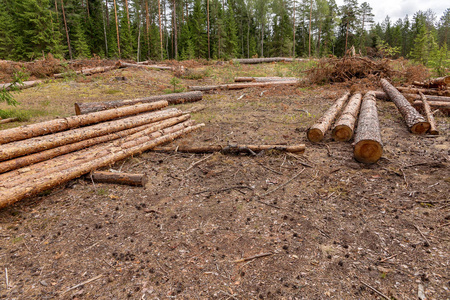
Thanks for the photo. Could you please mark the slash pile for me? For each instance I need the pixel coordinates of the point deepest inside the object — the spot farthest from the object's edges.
(39, 156)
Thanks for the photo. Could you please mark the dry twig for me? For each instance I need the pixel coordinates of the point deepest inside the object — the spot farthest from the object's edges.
(253, 257)
(83, 283)
(375, 290)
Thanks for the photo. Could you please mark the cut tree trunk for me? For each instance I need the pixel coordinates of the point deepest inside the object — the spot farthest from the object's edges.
(429, 115)
(412, 97)
(434, 82)
(41, 143)
(157, 67)
(24, 85)
(265, 60)
(368, 146)
(344, 126)
(263, 79)
(232, 148)
(9, 120)
(45, 181)
(317, 132)
(177, 98)
(381, 95)
(444, 107)
(88, 72)
(23, 161)
(237, 86)
(118, 178)
(406, 90)
(415, 121)
(52, 126)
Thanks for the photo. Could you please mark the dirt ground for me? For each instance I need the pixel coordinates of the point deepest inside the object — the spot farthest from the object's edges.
(271, 226)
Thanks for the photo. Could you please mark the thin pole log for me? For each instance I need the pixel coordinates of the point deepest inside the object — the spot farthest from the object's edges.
(66, 161)
(176, 98)
(317, 132)
(263, 79)
(344, 126)
(429, 115)
(407, 90)
(24, 85)
(52, 126)
(119, 178)
(41, 143)
(90, 71)
(434, 82)
(444, 107)
(11, 195)
(24, 161)
(232, 148)
(412, 97)
(157, 67)
(8, 120)
(415, 121)
(237, 86)
(265, 60)
(368, 146)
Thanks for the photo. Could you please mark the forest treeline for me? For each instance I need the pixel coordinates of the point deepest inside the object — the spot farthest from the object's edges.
(218, 29)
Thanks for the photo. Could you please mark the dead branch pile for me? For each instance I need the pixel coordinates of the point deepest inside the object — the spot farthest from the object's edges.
(348, 68)
(40, 156)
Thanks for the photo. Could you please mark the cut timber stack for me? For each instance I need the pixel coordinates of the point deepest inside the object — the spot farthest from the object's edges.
(176, 98)
(69, 153)
(317, 132)
(415, 121)
(368, 146)
(344, 126)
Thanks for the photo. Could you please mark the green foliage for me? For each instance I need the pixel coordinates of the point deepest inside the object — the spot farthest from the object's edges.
(5, 94)
(440, 60)
(175, 82)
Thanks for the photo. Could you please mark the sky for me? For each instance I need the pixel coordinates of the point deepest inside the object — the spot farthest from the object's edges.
(396, 9)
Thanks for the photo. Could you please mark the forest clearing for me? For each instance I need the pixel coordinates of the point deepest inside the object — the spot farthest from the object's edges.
(229, 221)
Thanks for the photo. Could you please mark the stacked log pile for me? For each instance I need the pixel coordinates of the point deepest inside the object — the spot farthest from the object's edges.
(37, 157)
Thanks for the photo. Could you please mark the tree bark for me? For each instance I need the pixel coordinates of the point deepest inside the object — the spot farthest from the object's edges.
(52, 126)
(263, 79)
(434, 82)
(119, 178)
(24, 85)
(38, 157)
(89, 71)
(407, 90)
(415, 121)
(429, 115)
(177, 98)
(412, 97)
(344, 126)
(444, 107)
(368, 146)
(10, 195)
(233, 148)
(41, 143)
(317, 132)
(237, 86)
(129, 65)
(261, 60)
(8, 120)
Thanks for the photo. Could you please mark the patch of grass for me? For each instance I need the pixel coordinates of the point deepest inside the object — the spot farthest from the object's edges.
(17, 239)
(197, 74)
(102, 192)
(21, 115)
(112, 91)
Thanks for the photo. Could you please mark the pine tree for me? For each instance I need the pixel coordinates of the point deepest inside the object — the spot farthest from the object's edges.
(79, 42)
(198, 30)
(6, 28)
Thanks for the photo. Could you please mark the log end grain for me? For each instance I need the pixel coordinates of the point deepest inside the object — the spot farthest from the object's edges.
(342, 133)
(368, 151)
(433, 131)
(77, 109)
(314, 135)
(420, 128)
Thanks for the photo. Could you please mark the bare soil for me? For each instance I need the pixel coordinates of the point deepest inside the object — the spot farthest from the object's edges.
(330, 226)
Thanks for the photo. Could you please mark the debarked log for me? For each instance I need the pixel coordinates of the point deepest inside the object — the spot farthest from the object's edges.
(20, 86)
(443, 107)
(118, 178)
(412, 97)
(56, 125)
(368, 146)
(414, 120)
(317, 132)
(407, 90)
(429, 115)
(45, 181)
(176, 98)
(8, 120)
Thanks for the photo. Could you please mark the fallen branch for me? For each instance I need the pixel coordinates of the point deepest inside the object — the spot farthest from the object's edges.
(20, 86)
(232, 148)
(283, 185)
(429, 115)
(83, 283)
(90, 71)
(443, 107)
(123, 64)
(425, 91)
(375, 290)
(119, 178)
(253, 257)
(198, 162)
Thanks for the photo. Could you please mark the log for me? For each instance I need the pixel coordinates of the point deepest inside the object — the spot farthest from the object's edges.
(119, 178)
(9, 196)
(123, 64)
(232, 148)
(381, 95)
(265, 60)
(88, 72)
(263, 79)
(317, 132)
(176, 98)
(407, 90)
(41, 143)
(344, 126)
(72, 159)
(20, 162)
(237, 86)
(52, 126)
(414, 120)
(24, 85)
(8, 120)
(444, 107)
(412, 97)
(434, 82)
(429, 115)
(368, 146)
